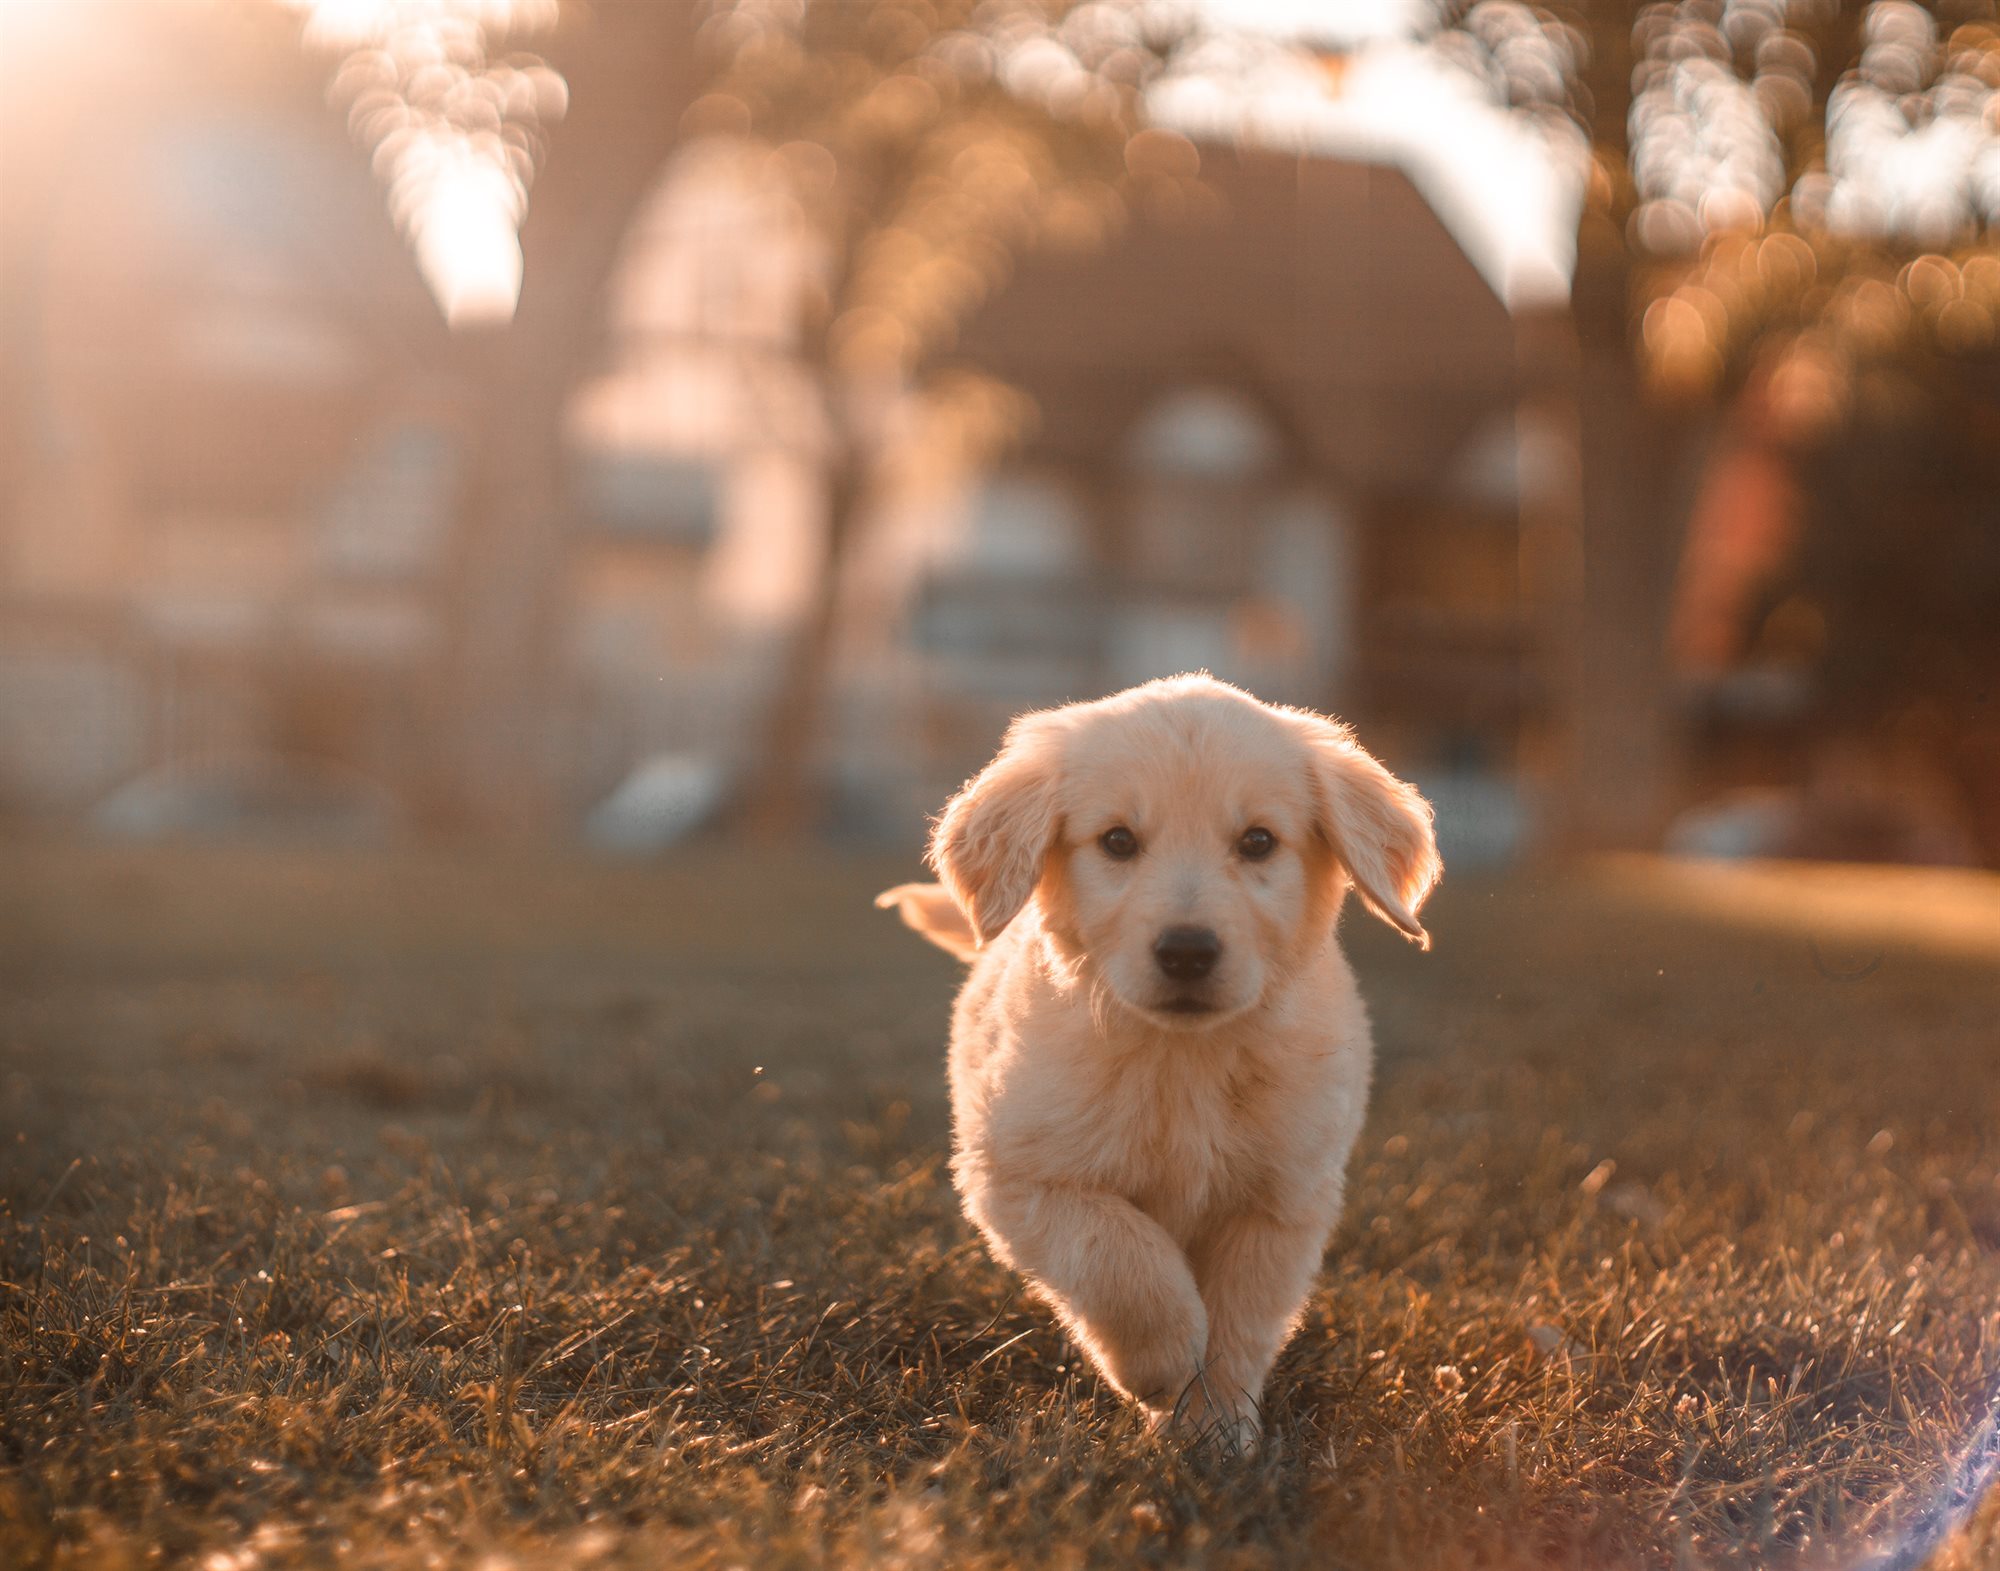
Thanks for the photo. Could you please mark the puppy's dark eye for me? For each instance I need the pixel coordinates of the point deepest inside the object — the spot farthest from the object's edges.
(1256, 844)
(1119, 843)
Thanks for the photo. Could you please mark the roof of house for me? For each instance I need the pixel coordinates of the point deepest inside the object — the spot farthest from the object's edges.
(1327, 291)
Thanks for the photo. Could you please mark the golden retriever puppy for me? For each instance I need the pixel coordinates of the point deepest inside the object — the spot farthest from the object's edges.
(1159, 1060)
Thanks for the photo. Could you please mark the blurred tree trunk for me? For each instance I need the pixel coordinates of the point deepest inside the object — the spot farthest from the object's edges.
(496, 706)
(1617, 744)
(496, 773)
(1606, 553)
(783, 797)
(783, 793)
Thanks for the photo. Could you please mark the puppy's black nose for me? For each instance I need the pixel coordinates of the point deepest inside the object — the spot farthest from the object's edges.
(1187, 954)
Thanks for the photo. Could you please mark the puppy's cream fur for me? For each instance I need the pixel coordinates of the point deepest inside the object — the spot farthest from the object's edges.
(1163, 1161)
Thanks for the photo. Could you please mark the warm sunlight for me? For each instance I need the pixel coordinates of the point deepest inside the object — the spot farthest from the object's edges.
(464, 229)
(967, 783)
(453, 130)
(1506, 184)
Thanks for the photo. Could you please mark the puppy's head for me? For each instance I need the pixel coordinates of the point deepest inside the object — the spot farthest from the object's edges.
(1184, 842)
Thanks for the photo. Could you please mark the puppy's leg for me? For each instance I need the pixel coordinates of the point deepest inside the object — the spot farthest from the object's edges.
(1119, 1282)
(1254, 1274)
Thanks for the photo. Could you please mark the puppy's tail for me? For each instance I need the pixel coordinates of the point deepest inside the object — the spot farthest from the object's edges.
(932, 912)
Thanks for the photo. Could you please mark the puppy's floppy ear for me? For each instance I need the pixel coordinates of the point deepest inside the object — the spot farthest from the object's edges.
(1377, 825)
(993, 837)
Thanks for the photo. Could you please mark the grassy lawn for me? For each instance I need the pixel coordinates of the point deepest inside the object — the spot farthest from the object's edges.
(445, 1212)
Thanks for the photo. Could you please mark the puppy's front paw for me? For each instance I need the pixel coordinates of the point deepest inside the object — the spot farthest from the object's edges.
(1154, 1359)
(1208, 1417)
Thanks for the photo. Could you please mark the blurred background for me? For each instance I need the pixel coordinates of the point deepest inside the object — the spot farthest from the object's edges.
(609, 423)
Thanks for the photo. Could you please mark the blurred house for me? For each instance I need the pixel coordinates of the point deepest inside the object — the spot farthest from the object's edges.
(232, 460)
(1277, 440)
(1278, 437)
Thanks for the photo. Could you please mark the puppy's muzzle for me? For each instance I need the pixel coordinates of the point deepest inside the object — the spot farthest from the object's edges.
(1187, 954)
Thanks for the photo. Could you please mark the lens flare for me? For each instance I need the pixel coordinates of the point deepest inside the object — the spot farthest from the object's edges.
(454, 134)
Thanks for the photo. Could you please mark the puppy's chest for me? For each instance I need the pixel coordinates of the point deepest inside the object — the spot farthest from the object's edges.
(1184, 1139)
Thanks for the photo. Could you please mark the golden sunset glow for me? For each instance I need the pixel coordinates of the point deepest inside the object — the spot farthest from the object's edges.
(546, 545)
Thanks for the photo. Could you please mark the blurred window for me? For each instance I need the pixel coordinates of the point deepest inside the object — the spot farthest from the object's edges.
(390, 513)
(1026, 526)
(1201, 460)
(649, 496)
(1204, 433)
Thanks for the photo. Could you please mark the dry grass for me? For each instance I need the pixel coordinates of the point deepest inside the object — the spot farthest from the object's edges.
(440, 1213)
